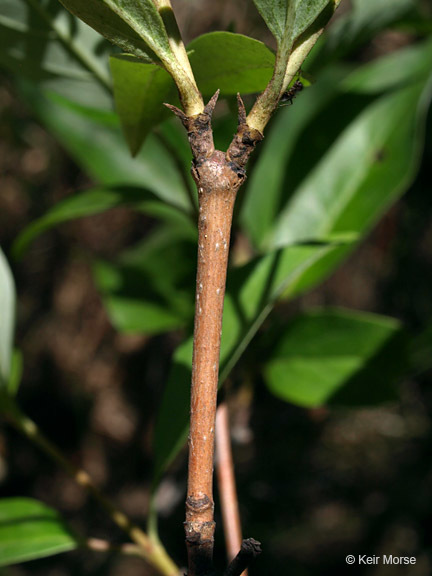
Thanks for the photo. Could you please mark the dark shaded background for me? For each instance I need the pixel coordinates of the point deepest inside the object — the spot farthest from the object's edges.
(313, 485)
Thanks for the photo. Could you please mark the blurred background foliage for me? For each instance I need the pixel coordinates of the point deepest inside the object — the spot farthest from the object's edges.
(330, 286)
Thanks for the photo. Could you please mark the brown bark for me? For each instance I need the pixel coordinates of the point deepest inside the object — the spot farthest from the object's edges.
(216, 204)
(218, 176)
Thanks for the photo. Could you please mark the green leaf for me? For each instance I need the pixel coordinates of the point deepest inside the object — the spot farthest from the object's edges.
(7, 320)
(274, 14)
(251, 293)
(134, 26)
(394, 70)
(41, 41)
(95, 141)
(82, 204)
(221, 61)
(287, 19)
(29, 530)
(337, 356)
(139, 91)
(306, 12)
(371, 164)
(322, 113)
(150, 288)
(268, 181)
(231, 63)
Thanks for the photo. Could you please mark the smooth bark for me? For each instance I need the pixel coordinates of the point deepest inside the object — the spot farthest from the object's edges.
(218, 176)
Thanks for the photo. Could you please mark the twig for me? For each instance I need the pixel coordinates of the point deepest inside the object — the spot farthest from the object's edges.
(179, 68)
(98, 545)
(153, 552)
(226, 483)
(249, 550)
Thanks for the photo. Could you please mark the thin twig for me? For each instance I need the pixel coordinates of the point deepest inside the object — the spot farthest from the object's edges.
(153, 552)
(249, 550)
(99, 545)
(226, 483)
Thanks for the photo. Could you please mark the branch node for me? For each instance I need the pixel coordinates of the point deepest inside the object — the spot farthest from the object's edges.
(199, 129)
(199, 533)
(243, 143)
(196, 505)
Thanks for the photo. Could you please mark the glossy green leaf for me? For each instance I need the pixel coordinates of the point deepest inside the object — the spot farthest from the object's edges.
(139, 91)
(95, 141)
(321, 114)
(29, 529)
(251, 293)
(231, 63)
(266, 185)
(337, 356)
(7, 320)
(43, 42)
(136, 27)
(150, 288)
(372, 163)
(287, 19)
(82, 204)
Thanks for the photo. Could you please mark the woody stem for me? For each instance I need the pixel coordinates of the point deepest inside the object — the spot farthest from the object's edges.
(218, 176)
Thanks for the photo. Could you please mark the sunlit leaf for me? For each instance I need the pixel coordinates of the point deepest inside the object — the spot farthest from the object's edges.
(322, 120)
(370, 165)
(287, 19)
(230, 63)
(136, 27)
(337, 355)
(267, 183)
